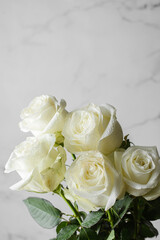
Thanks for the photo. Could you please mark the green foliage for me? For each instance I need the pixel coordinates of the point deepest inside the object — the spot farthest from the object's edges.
(87, 234)
(147, 229)
(61, 225)
(83, 215)
(121, 207)
(73, 237)
(111, 235)
(128, 219)
(133, 224)
(127, 231)
(102, 228)
(152, 210)
(67, 231)
(92, 218)
(43, 212)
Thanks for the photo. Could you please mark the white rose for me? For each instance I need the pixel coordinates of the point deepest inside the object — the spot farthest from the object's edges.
(43, 115)
(92, 128)
(93, 182)
(140, 167)
(39, 164)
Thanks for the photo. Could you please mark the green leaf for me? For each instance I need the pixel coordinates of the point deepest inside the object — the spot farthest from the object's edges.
(147, 229)
(83, 214)
(43, 212)
(73, 237)
(152, 210)
(127, 231)
(88, 234)
(102, 228)
(73, 221)
(67, 231)
(92, 218)
(111, 235)
(121, 207)
(139, 203)
(60, 226)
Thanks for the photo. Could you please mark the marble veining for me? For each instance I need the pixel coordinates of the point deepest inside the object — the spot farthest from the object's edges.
(152, 120)
(83, 51)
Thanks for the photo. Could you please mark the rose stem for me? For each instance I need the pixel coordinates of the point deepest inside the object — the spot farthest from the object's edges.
(110, 218)
(76, 214)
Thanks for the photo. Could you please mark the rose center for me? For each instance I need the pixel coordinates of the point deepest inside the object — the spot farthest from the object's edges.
(143, 163)
(83, 122)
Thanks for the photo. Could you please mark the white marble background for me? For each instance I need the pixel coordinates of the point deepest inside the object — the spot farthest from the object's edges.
(83, 51)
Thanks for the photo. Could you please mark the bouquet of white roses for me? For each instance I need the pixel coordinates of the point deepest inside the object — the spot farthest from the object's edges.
(116, 182)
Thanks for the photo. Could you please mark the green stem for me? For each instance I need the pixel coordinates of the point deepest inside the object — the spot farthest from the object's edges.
(110, 218)
(76, 213)
(136, 218)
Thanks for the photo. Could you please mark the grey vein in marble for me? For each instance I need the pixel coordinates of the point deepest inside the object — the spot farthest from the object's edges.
(46, 27)
(151, 79)
(142, 123)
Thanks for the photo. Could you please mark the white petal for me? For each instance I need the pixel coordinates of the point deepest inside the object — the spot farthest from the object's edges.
(118, 160)
(111, 138)
(154, 193)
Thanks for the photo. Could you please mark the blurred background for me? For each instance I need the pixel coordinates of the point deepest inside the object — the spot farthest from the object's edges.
(101, 51)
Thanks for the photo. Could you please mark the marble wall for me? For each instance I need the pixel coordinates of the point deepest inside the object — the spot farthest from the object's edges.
(83, 51)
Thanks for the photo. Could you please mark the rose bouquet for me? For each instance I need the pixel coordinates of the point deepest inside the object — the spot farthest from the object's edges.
(111, 185)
